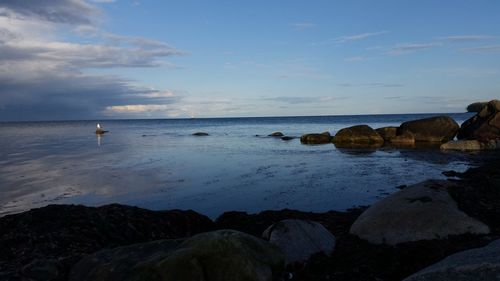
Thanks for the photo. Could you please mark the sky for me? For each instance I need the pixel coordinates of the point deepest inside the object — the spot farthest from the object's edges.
(113, 59)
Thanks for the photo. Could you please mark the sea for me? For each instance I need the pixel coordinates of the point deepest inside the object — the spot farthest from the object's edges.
(158, 164)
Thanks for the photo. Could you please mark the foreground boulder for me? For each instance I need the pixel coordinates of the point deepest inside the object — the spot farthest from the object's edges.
(223, 255)
(316, 138)
(358, 135)
(424, 211)
(300, 239)
(484, 126)
(434, 129)
(42, 244)
(481, 264)
(387, 133)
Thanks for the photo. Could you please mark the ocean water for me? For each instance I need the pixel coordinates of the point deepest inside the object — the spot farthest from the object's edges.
(158, 164)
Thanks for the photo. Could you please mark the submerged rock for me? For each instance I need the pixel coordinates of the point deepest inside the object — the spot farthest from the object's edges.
(434, 129)
(463, 145)
(484, 126)
(316, 138)
(200, 134)
(300, 239)
(276, 134)
(387, 133)
(223, 255)
(287, 138)
(362, 135)
(480, 264)
(424, 211)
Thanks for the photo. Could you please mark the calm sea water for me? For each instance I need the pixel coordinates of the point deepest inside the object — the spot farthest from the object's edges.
(158, 164)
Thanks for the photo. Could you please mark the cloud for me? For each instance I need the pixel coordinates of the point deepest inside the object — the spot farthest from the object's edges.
(306, 99)
(467, 38)
(356, 37)
(483, 49)
(303, 25)
(407, 48)
(59, 11)
(43, 76)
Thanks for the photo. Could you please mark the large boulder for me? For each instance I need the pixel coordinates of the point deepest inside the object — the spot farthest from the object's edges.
(434, 129)
(360, 135)
(300, 239)
(476, 107)
(424, 211)
(484, 126)
(223, 255)
(387, 133)
(481, 264)
(316, 138)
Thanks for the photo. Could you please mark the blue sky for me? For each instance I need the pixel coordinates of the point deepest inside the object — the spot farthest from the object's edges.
(75, 59)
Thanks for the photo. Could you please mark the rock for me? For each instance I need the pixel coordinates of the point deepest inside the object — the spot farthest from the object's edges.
(200, 134)
(434, 129)
(358, 135)
(100, 130)
(219, 255)
(476, 107)
(316, 138)
(423, 211)
(276, 134)
(387, 133)
(287, 138)
(300, 239)
(48, 241)
(404, 139)
(462, 145)
(480, 264)
(484, 126)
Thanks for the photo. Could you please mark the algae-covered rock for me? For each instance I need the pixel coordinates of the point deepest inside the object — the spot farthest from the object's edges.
(223, 255)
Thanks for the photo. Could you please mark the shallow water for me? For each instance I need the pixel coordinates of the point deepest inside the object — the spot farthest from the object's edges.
(158, 164)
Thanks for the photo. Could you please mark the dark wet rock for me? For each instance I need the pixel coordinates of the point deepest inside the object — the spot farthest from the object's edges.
(463, 145)
(424, 211)
(300, 239)
(276, 134)
(49, 240)
(484, 126)
(480, 264)
(405, 139)
(316, 138)
(219, 255)
(434, 129)
(476, 107)
(361, 135)
(100, 132)
(387, 133)
(287, 138)
(200, 134)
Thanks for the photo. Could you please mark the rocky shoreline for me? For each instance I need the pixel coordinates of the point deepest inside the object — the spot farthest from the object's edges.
(45, 243)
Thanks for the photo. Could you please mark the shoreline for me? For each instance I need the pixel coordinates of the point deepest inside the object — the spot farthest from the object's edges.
(57, 236)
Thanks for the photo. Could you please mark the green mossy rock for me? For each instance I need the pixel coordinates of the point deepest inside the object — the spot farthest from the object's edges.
(223, 255)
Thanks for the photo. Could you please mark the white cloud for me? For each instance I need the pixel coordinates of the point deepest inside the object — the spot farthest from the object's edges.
(356, 37)
(483, 49)
(467, 38)
(407, 48)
